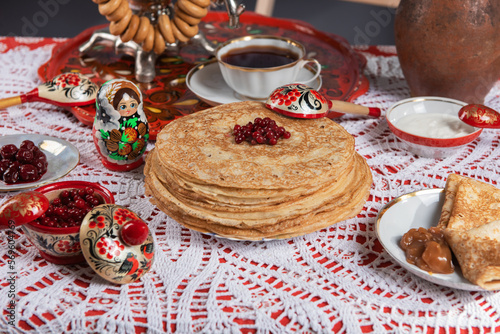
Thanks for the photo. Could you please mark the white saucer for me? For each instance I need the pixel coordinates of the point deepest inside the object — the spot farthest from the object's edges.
(418, 209)
(206, 81)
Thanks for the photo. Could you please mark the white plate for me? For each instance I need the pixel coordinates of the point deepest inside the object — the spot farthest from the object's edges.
(418, 209)
(62, 157)
(206, 81)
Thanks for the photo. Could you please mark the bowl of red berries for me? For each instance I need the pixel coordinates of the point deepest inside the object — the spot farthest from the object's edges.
(56, 232)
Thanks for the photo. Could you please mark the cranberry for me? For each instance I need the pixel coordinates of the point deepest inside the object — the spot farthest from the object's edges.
(80, 203)
(69, 209)
(261, 131)
(8, 151)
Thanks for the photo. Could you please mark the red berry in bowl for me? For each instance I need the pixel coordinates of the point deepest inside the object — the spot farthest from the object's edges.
(69, 209)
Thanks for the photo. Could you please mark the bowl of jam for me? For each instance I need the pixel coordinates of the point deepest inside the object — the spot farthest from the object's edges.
(56, 232)
(429, 126)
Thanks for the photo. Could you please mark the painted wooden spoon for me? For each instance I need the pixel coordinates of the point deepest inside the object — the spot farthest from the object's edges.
(302, 101)
(480, 116)
(22, 208)
(65, 90)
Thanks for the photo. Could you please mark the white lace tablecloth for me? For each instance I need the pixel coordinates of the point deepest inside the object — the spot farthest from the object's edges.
(337, 279)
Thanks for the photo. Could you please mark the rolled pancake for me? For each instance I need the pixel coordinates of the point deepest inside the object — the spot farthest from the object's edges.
(450, 188)
(478, 253)
(476, 203)
(471, 217)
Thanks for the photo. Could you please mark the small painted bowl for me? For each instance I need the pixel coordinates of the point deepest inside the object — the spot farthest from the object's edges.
(61, 245)
(429, 126)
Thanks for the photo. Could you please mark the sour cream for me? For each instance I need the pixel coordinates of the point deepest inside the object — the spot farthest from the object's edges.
(433, 125)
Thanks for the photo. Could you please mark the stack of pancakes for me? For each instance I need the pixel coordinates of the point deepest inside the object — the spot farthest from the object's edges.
(199, 176)
(470, 218)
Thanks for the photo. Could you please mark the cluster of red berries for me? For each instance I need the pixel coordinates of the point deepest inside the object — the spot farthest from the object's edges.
(69, 208)
(71, 79)
(261, 131)
(24, 164)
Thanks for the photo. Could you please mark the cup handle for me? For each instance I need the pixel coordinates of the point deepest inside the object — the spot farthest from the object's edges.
(318, 69)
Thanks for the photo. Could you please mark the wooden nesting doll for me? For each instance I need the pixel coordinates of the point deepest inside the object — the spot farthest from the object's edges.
(120, 129)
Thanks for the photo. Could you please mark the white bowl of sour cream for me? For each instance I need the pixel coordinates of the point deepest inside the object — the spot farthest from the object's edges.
(429, 126)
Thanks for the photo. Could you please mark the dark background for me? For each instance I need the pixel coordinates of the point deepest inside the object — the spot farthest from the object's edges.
(358, 23)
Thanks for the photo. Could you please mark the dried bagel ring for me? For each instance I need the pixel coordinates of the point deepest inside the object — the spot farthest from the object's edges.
(186, 29)
(109, 7)
(131, 30)
(117, 28)
(166, 28)
(185, 17)
(159, 43)
(119, 13)
(150, 39)
(142, 31)
(201, 3)
(178, 34)
(183, 26)
(192, 9)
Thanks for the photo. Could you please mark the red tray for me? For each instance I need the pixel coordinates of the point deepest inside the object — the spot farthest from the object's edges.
(167, 97)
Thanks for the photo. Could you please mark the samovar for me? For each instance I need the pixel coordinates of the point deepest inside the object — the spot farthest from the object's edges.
(153, 10)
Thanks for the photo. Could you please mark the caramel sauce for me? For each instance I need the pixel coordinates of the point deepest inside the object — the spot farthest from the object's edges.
(428, 250)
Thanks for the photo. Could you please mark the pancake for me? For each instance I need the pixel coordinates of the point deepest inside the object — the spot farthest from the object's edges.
(244, 217)
(476, 203)
(200, 177)
(206, 151)
(345, 206)
(451, 187)
(478, 253)
(471, 217)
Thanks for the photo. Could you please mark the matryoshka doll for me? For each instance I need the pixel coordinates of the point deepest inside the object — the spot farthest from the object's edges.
(120, 129)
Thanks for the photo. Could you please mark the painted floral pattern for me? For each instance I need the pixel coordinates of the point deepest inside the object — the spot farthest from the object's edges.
(55, 244)
(72, 86)
(104, 250)
(298, 99)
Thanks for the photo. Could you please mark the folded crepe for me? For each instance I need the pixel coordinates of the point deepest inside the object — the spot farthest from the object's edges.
(471, 221)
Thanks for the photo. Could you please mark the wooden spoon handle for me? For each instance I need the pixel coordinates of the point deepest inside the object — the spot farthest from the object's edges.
(10, 101)
(351, 108)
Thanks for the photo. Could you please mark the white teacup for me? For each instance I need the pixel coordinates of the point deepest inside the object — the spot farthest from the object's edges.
(252, 67)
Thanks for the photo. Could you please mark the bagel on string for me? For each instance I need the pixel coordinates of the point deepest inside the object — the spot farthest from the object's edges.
(182, 27)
